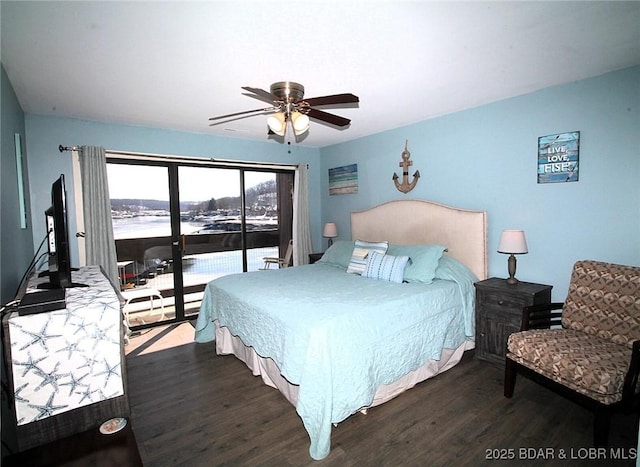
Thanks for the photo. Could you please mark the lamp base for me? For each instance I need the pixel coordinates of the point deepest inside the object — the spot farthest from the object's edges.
(511, 265)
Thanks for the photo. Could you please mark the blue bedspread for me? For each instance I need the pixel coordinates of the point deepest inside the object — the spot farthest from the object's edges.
(339, 336)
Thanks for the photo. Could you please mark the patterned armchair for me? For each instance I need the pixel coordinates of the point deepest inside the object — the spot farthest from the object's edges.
(590, 351)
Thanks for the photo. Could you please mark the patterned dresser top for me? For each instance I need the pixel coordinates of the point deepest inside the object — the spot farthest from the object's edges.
(68, 358)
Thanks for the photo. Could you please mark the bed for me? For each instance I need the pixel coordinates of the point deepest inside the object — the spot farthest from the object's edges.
(335, 342)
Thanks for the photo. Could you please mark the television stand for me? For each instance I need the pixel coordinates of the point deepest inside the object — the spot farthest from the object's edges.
(80, 348)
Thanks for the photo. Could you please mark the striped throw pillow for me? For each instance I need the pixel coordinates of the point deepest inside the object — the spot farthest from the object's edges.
(385, 267)
(361, 250)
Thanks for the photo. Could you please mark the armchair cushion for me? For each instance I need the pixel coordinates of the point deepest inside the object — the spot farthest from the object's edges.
(604, 301)
(585, 363)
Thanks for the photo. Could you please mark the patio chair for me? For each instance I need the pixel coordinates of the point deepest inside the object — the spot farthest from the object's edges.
(281, 262)
(137, 294)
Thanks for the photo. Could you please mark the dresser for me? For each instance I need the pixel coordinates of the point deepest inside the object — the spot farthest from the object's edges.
(499, 313)
(67, 366)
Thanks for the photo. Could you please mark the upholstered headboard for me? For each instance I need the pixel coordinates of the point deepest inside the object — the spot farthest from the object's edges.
(415, 222)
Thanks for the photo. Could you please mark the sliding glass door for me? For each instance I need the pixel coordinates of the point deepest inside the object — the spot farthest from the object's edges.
(140, 211)
(179, 226)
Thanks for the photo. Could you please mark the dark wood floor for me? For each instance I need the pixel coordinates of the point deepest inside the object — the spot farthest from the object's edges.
(191, 407)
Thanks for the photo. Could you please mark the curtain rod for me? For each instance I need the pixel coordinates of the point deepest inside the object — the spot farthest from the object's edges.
(62, 148)
(198, 160)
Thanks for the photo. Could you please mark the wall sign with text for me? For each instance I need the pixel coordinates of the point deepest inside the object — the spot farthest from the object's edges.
(558, 157)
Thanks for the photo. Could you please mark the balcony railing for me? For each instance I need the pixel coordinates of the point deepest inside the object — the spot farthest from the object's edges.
(148, 262)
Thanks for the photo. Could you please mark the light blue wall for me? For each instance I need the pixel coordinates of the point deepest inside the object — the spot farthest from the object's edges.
(46, 163)
(486, 158)
(16, 248)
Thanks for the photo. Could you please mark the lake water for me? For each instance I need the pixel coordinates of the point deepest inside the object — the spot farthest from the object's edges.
(150, 226)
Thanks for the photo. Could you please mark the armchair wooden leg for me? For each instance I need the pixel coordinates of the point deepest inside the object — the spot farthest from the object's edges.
(601, 425)
(509, 377)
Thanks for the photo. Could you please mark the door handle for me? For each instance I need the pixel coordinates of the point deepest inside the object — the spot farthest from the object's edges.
(181, 242)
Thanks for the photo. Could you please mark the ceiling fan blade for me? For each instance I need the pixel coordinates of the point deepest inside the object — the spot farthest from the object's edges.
(261, 94)
(346, 98)
(327, 117)
(246, 112)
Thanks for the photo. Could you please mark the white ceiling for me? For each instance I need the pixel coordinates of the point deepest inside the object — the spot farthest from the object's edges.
(175, 64)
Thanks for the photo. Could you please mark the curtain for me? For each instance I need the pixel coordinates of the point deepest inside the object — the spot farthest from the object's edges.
(301, 226)
(99, 240)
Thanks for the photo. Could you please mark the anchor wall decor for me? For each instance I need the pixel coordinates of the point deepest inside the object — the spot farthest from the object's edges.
(406, 186)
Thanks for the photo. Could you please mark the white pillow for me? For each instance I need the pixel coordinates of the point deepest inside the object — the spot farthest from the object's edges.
(385, 267)
(361, 250)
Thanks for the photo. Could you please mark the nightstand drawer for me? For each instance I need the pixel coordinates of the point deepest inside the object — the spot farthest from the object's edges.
(504, 302)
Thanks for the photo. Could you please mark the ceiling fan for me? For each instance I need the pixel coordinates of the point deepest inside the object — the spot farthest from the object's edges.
(290, 107)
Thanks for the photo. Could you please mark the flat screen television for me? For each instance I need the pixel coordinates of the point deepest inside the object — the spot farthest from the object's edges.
(57, 224)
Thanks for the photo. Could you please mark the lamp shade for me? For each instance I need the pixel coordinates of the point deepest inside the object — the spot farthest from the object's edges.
(330, 230)
(300, 123)
(277, 123)
(513, 242)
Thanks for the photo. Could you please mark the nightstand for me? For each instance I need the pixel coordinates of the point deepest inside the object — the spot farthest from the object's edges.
(313, 257)
(499, 313)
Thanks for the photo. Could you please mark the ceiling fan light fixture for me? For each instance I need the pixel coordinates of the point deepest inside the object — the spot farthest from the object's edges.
(277, 123)
(288, 106)
(300, 123)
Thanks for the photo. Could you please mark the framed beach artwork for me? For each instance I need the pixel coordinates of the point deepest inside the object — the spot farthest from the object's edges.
(558, 157)
(343, 180)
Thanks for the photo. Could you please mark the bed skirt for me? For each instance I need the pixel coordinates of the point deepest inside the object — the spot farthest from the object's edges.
(227, 344)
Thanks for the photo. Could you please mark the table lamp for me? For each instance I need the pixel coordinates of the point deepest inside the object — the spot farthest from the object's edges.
(330, 231)
(512, 242)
